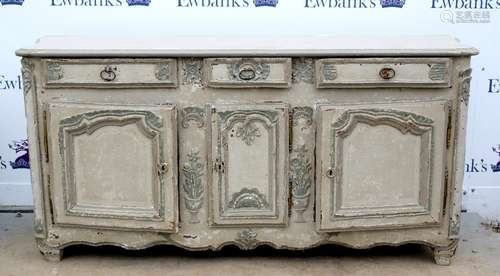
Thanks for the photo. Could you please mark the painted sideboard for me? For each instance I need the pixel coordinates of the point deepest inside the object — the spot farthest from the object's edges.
(202, 142)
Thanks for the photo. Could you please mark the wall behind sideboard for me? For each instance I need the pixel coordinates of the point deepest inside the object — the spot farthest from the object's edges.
(24, 21)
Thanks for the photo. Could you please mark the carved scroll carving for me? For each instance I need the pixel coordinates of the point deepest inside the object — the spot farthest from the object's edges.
(303, 112)
(27, 74)
(193, 114)
(54, 71)
(464, 87)
(438, 71)
(162, 72)
(248, 198)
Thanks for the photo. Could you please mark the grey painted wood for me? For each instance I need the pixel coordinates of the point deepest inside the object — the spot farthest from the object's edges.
(361, 159)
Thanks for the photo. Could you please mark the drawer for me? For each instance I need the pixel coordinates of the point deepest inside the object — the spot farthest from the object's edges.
(383, 72)
(107, 73)
(248, 72)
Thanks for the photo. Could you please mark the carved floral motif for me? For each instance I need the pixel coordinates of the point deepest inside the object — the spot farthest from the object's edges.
(301, 179)
(192, 71)
(193, 185)
(303, 70)
(248, 132)
(247, 239)
(303, 112)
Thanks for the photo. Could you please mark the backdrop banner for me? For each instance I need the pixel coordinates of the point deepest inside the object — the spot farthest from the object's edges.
(474, 22)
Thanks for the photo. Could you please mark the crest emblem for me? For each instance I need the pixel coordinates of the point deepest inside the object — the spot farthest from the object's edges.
(23, 160)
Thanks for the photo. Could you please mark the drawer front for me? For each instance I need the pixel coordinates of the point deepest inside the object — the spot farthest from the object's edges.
(248, 72)
(111, 72)
(383, 72)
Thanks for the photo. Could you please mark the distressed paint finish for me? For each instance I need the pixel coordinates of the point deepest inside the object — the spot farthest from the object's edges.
(303, 110)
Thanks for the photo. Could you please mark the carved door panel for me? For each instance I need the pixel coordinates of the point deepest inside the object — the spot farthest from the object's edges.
(113, 166)
(380, 165)
(249, 150)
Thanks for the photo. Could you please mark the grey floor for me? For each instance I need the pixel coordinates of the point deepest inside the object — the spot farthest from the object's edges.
(478, 254)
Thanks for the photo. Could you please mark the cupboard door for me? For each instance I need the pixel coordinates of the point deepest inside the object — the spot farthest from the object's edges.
(249, 150)
(114, 166)
(380, 165)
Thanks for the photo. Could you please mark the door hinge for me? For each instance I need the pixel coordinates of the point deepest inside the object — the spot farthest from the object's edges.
(448, 128)
(446, 190)
(45, 136)
(219, 166)
(290, 131)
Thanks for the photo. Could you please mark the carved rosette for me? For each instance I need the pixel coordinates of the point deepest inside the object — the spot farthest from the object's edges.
(438, 71)
(464, 87)
(192, 71)
(193, 186)
(301, 179)
(54, 71)
(162, 72)
(303, 70)
(195, 115)
(27, 74)
(247, 239)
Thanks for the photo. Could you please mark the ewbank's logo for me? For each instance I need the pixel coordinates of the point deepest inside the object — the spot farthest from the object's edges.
(226, 3)
(12, 2)
(265, 3)
(21, 148)
(97, 3)
(496, 168)
(138, 2)
(358, 4)
(392, 3)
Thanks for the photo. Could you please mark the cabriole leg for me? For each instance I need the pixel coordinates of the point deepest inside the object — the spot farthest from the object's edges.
(443, 255)
(50, 253)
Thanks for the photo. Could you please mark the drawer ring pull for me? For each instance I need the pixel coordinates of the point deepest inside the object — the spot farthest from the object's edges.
(330, 173)
(247, 72)
(387, 73)
(108, 73)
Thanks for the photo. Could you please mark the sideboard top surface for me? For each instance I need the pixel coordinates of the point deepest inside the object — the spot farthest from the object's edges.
(79, 46)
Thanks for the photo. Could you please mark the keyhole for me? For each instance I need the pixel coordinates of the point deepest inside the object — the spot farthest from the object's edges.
(330, 173)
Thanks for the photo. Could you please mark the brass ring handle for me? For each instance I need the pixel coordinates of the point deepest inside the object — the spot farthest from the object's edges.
(387, 73)
(108, 73)
(330, 173)
(247, 72)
